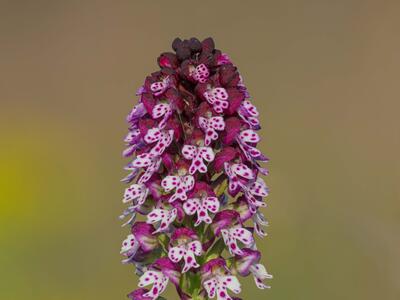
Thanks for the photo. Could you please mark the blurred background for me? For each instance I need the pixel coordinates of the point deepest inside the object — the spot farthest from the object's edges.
(325, 76)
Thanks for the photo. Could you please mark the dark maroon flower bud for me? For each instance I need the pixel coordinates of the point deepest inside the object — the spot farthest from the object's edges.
(208, 45)
(168, 60)
(176, 43)
(195, 45)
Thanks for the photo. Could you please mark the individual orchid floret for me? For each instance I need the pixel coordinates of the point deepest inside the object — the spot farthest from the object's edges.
(218, 98)
(217, 280)
(187, 246)
(181, 184)
(158, 275)
(200, 73)
(245, 139)
(140, 242)
(236, 173)
(234, 234)
(129, 246)
(136, 193)
(159, 87)
(162, 110)
(162, 137)
(248, 263)
(210, 126)
(198, 155)
(248, 112)
(201, 207)
(163, 217)
(259, 221)
(134, 142)
(227, 222)
(136, 113)
(146, 160)
(254, 191)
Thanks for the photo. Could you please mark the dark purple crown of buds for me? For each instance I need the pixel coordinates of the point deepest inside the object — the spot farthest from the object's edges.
(194, 178)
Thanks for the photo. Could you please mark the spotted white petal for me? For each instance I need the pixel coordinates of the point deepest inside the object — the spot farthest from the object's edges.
(217, 123)
(165, 217)
(160, 109)
(130, 245)
(164, 141)
(206, 153)
(159, 281)
(191, 206)
(190, 261)
(151, 169)
(188, 181)
(133, 192)
(195, 247)
(243, 235)
(232, 283)
(212, 204)
(211, 287)
(258, 188)
(260, 273)
(170, 182)
(152, 135)
(175, 254)
(250, 108)
(249, 136)
(242, 170)
(201, 73)
(189, 152)
(142, 160)
(203, 122)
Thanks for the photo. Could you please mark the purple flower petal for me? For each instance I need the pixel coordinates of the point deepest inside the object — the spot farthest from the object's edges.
(224, 219)
(139, 295)
(243, 262)
(233, 126)
(227, 154)
(143, 232)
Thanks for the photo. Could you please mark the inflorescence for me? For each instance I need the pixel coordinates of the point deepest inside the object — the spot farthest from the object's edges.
(196, 169)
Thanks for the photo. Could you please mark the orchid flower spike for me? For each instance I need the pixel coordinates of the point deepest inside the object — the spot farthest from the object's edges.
(195, 189)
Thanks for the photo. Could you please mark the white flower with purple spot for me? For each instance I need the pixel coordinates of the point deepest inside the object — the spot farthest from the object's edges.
(217, 97)
(129, 246)
(253, 191)
(162, 110)
(200, 73)
(245, 137)
(136, 193)
(162, 137)
(236, 173)
(248, 112)
(198, 155)
(163, 217)
(260, 273)
(185, 245)
(157, 279)
(210, 127)
(146, 160)
(181, 184)
(234, 234)
(159, 87)
(219, 286)
(201, 207)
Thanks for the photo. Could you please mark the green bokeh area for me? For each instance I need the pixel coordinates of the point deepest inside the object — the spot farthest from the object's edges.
(324, 75)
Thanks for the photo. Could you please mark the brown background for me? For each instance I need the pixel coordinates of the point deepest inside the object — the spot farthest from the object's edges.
(325, 76)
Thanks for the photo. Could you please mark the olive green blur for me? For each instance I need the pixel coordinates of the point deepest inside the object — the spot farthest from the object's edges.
(325, 78)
